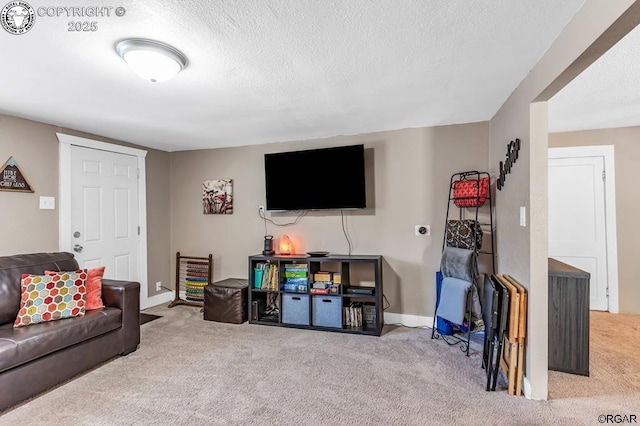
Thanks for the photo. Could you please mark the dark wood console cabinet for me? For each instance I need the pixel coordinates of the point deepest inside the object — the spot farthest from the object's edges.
(568, 318)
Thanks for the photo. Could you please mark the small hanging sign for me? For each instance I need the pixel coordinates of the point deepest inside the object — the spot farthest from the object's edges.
(513, 148)
(12, 179)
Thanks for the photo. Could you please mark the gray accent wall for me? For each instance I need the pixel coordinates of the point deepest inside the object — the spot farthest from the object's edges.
(408, 173)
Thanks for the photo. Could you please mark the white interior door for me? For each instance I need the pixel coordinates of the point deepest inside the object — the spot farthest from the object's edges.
(577, 226)
(104, 212)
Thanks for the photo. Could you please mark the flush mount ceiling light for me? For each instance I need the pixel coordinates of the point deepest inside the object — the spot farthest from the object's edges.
(151, 60)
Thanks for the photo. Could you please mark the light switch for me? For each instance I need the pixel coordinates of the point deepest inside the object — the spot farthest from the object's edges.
(47, 203)
(523, 216)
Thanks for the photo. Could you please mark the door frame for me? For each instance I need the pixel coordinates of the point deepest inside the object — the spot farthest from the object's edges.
(64, 219)
(607, 152)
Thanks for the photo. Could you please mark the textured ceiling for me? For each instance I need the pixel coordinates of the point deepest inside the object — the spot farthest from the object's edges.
(276, 70)
(607, 94)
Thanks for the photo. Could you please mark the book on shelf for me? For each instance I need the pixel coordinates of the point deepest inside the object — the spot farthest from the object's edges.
(298, 288)
(321, 284)
(295, 280)
(295, 267)
(322, 276)
(353, 315)
(295, 274)
(269, 276)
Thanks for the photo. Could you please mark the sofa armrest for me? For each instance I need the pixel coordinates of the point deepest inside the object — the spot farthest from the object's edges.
(125, 295)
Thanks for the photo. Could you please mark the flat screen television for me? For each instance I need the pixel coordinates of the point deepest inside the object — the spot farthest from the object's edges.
(316, 179)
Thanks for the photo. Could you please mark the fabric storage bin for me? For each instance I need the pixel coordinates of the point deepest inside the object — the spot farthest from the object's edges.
(295, 309)
(327, 311)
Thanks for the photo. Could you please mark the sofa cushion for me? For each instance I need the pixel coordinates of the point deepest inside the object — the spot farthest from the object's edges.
(21, 345)
(11, 270)
(52, 297)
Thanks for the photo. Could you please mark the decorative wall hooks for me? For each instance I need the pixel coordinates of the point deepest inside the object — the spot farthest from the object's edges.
(505, 167)
(12, 179)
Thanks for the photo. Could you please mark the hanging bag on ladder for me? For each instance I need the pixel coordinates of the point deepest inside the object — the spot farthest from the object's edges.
(470, 192)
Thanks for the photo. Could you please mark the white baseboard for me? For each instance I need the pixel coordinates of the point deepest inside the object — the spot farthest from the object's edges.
(526, 387)
(159, 299)
(408, 320)
(389, 317)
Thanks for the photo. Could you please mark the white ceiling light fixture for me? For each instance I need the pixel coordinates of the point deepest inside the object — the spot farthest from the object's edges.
(152, 60)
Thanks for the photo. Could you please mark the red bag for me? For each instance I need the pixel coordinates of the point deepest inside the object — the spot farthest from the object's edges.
(467, 194)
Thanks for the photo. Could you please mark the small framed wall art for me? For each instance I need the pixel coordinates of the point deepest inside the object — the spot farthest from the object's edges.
(217, 196)
(12, 179)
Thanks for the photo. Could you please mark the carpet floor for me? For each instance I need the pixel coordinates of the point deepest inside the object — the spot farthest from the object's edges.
(614, 361)
(190, 371)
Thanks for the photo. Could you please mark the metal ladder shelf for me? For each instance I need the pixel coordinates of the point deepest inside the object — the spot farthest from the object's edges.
(471, 212)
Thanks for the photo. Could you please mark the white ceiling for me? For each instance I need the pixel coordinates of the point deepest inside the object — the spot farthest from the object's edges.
(276, 70)
(607, 94)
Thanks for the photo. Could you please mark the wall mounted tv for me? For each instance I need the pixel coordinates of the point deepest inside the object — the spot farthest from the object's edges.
(316, 179)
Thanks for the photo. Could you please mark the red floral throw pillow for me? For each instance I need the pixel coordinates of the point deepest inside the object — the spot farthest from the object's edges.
(51, 297)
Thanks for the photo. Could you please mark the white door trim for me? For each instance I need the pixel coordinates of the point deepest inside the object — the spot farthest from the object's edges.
(64, 221)
(606, 151)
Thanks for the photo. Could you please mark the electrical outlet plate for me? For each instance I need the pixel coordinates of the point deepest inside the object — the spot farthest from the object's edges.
(260, 209)
(422, 230)
(47, 203)
(158, 286)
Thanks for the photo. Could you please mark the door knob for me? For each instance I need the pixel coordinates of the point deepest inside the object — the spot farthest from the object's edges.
(77, 248)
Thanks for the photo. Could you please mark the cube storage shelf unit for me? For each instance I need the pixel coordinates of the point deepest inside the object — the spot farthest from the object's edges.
(316, 311)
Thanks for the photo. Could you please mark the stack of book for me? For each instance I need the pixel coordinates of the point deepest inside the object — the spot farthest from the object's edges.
(295, 277)
(352, 315)
(269, 276)
(321, 283)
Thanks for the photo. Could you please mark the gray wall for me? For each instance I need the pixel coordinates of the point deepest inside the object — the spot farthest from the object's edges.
(26, 228)
(627, 154)
(410, 168)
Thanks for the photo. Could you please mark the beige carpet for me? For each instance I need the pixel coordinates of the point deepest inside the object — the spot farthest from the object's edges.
(189, 371)
(614, 361)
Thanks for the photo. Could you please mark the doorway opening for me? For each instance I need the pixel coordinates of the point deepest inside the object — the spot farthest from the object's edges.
(582, 217)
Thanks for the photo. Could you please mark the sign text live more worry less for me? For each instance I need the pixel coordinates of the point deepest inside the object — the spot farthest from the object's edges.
(12, 179)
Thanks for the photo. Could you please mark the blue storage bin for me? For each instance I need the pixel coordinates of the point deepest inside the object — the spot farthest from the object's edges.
(295, 309)
(444, 327)
(326, 311)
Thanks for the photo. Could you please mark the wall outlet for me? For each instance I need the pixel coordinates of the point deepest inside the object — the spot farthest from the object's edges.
(261, 210)
(423, 230)
(159, 286)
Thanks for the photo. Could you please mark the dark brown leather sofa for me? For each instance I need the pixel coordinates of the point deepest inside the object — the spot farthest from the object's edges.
(39, 356)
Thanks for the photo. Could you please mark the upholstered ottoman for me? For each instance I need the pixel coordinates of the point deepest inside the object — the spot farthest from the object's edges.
(226, 301)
